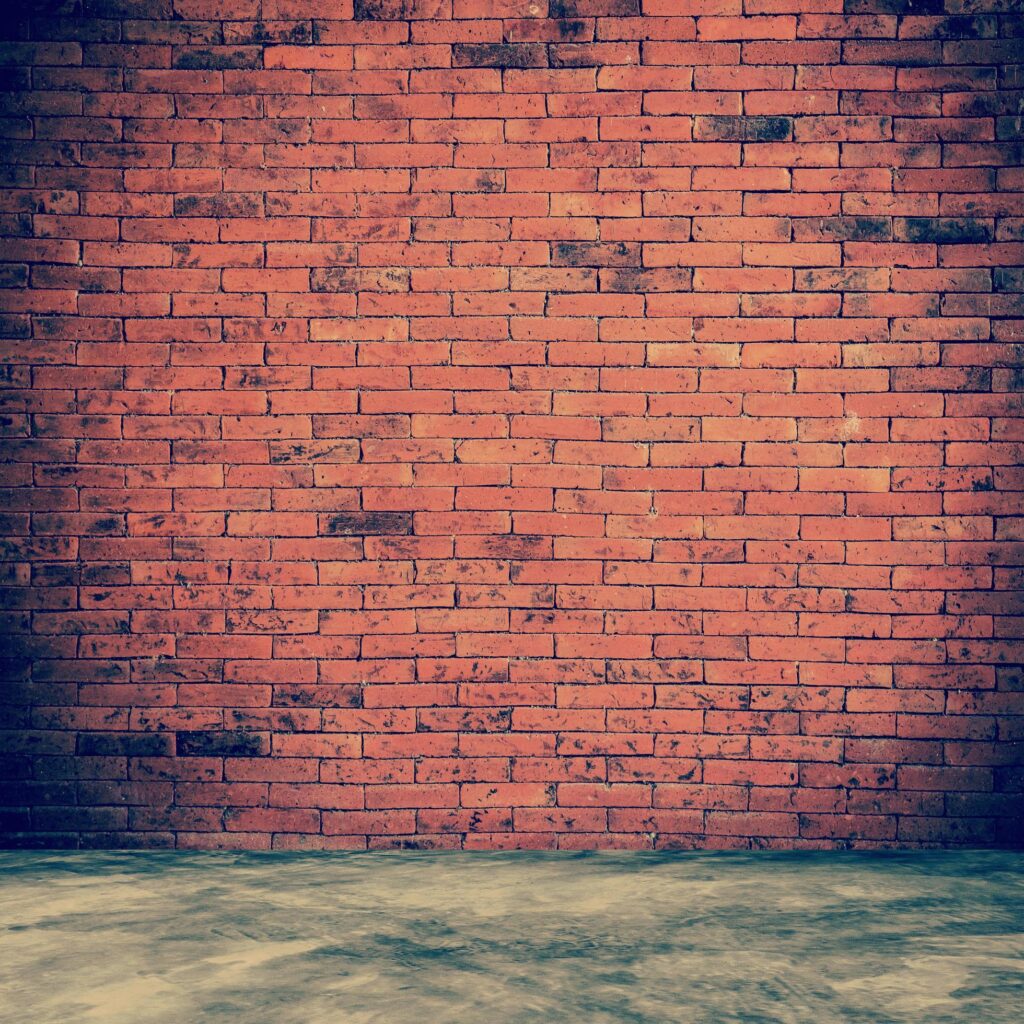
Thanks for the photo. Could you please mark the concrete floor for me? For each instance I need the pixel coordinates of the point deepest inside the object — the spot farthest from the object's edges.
(194, 938)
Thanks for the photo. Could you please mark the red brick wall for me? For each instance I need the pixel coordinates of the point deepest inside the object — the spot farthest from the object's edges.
(512, 422)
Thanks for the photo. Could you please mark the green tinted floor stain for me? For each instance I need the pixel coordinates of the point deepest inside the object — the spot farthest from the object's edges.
(206, 938)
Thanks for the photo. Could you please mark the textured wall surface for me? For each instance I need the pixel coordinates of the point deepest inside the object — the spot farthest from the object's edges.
(493, 422)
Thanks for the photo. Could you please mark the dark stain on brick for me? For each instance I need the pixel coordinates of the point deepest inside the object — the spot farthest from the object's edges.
(14, 326)
(499, 55)
(1009, 279)
(365, 524)
(398, 10)
(256, 377)
(664, 279)
(14, 276)
(223, 204)
(337, 279)
(1016, 376)
(218, 58)
(470, 720)
(288, 452)
(379, 10)
(298, 695)
(593, 8)
(854, 229)
(570, 31)
(965, 27)
(942, 229)
(1010, 129)
(722, 128)
(21, 223)
(489, 181)
(595, 254)
(136, 744)
(931, 7)
(901, 53)
(221, 744)
(284, 32)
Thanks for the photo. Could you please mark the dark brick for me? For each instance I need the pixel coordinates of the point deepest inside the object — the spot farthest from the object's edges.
(743, 129)
(1009, 279)
(401, 10)
(134, 744)
(217, 58)
(500, 55)
(670, 279)
(942, 229)
(851, 229)
(221, 744)
(593, 8)
(929, 7)
(353, 279)
(365, 524)
(595, 254)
